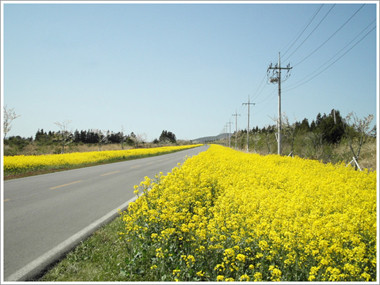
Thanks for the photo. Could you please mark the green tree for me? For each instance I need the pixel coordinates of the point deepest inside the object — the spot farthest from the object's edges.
(304, 126)
(332, 127)
(167, 137)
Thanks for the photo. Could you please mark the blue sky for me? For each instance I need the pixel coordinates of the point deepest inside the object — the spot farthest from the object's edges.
(185, 68)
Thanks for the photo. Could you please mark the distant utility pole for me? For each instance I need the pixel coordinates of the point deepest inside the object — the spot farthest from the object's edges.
(248, 103)
(236, 115)
(229, 134)
(276, 78)
(225, 130)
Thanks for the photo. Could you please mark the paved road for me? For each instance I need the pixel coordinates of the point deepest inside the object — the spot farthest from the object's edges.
(45, 214)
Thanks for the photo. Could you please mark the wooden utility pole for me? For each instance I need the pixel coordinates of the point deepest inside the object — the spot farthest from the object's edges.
(276, 78)
(248, 103)
(236, 115)
(229, 134)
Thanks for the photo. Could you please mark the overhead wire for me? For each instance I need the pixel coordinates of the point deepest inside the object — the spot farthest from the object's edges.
(304, 29)
(270, 96)
(308, 36)
(252, 97)
(262, 86)
(267, 99)
(259, 89)
(313, 76)
(331, 36)
(316, 73)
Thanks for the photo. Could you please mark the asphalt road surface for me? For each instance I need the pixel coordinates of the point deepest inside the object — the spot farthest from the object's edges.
(47, 215)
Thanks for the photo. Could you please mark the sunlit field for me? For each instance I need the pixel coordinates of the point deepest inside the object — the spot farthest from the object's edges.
(226, 215)
(20, 164)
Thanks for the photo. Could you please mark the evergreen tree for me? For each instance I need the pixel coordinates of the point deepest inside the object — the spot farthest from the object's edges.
(167, 137)
(331, 127)
(304, 126)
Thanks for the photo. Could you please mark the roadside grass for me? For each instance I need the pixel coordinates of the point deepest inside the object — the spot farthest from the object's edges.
(98, 258)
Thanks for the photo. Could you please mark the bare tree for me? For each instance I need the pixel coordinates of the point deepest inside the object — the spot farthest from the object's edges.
(140, 139)
(102, 137)
(64, 136)
(358, 131)
(9, 116)
(268, 137)
(316, 140)
(289, 131)
(255, 139)
(122, 137)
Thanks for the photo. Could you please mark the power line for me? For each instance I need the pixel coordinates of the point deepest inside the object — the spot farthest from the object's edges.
(315, 50)
(270, 96)
(300, 34)
(313, 75)
(324, 17)
(260, 88)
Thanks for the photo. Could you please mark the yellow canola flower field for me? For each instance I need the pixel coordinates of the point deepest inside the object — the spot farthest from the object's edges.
(21, 163)
(225, 215)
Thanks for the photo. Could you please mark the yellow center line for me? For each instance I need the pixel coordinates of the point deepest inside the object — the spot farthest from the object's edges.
(136, 166)
(6, 200)
(64, 185)
(110, 173)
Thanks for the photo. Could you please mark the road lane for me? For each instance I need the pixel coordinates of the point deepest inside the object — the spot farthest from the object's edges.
(64, 185)
(44, 211)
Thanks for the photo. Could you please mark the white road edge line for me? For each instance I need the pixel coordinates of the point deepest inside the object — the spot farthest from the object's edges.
(35, 267)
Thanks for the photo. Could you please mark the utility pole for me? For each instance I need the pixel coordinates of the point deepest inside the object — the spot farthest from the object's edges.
(229, 134)
(236, 115)
(276, 78)
(224, 132)
(248, 103)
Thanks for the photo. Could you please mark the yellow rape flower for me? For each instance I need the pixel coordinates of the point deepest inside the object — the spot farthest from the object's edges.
(366, 276)
(176, 271)
(25, 163)
(244, 277)
(258, 276)
(228, 208)
(241, 257)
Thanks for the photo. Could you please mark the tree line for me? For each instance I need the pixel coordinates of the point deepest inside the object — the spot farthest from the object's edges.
(63, 138)
(317, 139)
(332, 127)
(85, 137)
(96, 136)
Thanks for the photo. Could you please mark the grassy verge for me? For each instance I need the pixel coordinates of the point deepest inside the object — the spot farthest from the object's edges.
(98, 258)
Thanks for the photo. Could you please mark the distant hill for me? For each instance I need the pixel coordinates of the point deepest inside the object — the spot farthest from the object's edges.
(210, 138)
